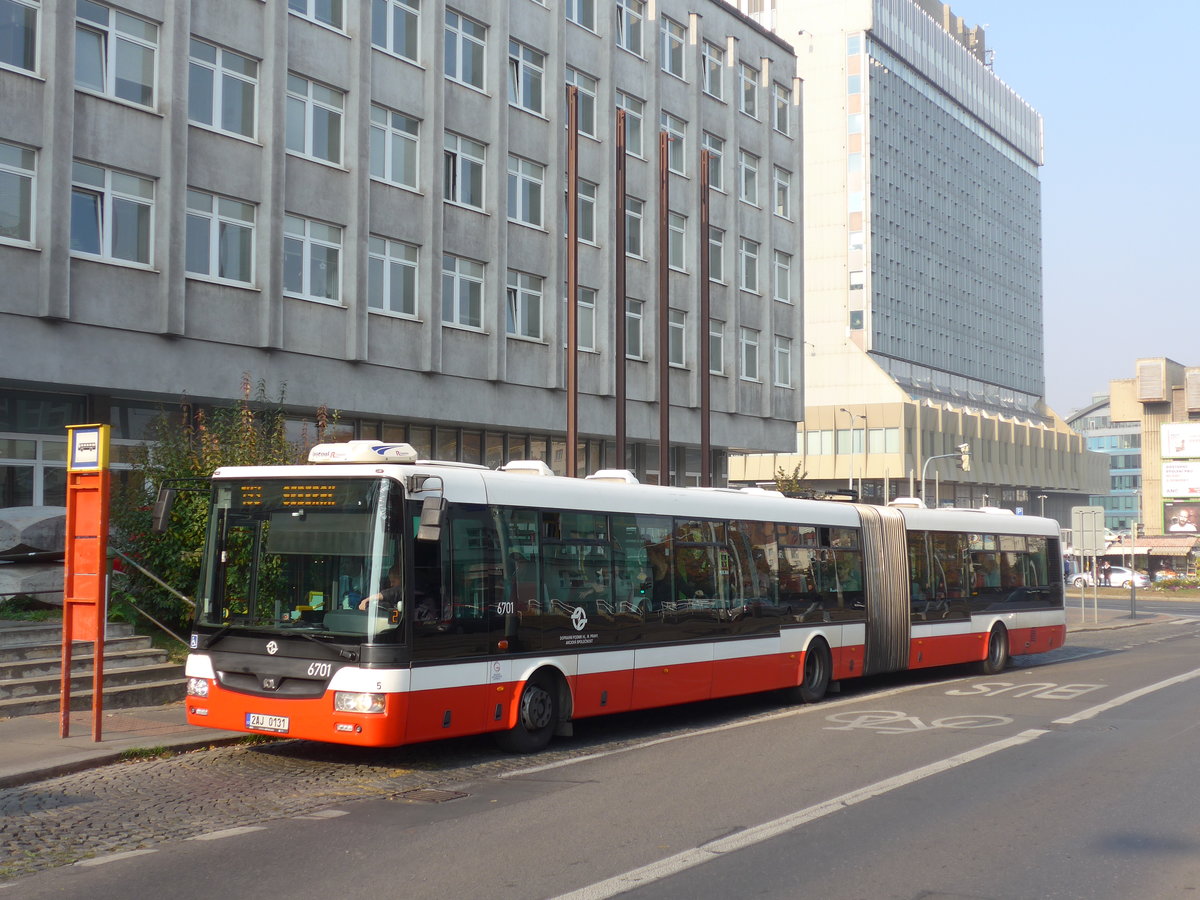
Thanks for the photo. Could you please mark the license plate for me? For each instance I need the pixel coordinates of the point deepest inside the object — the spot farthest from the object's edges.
(259, 722)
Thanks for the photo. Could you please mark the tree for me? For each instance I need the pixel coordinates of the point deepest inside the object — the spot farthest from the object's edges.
(792, 485)
(192, 445)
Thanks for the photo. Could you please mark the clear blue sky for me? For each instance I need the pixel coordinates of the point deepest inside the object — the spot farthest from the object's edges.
(1117, 88)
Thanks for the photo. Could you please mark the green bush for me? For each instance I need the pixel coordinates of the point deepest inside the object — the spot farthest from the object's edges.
(191, 444)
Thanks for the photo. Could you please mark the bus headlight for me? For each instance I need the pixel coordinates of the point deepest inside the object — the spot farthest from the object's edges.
(353, 701)
(197, 687)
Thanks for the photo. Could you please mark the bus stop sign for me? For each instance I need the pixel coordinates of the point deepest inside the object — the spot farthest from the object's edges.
(1087, 530)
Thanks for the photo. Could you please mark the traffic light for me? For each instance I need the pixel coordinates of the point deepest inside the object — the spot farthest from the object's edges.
(1133, 531)
(964, 457)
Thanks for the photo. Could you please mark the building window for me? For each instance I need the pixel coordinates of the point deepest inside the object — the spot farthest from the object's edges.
(582, 13)
(783, 361)
(524, 318)
(327, 12)
(585, 101)
(714, 71)
(748, 90)
(634, 109)
(634, 210)
(392, 276)
(16, 192)
(526, 77)
(748, 265)
(748, 177)
(716, 254)
(222, 89)
(781, 105)
(783, 276)
(676, 240)
(585, 319)
(677, 337)
(19, 34)
(115, 53)
(716, 347)
(857, 280)
(314, 120)
(394, 144)
(112, 214)
(716, 160)
(748, 347)
(782, 189)
(462, 292)
(465, 43)
(585, 222)
(630, 15)
(395, 25)
(312, 254)
(220, 237)
(463, 171)
(633, 328)
(525, 182)
(676, 130)
(674, 38)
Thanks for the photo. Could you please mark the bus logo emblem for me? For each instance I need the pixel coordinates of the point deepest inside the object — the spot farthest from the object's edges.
(272, 647)
(579, 618)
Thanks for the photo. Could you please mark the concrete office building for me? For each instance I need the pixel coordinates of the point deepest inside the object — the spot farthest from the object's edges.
(1149, 425)
(923, 291)
(365, 202)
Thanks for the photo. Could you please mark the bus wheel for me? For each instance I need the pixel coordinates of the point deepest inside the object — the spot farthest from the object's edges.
(997, 653)
(818, 667)
(537, 715)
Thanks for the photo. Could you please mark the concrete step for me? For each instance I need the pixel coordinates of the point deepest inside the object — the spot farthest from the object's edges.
(138, 653)
(115, 680)
(152, 693)
(53, 652)
(20, 634)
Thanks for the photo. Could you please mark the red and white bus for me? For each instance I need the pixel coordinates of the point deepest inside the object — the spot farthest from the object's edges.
(374, 599)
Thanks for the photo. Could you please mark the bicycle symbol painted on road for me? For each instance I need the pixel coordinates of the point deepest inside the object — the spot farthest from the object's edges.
(893, 722)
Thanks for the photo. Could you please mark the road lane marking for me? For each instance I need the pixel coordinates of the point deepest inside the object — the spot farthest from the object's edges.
(228, 832)
(672, 865)
(728, 726)
(1093, 711)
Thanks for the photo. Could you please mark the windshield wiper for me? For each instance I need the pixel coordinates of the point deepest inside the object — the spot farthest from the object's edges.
(344, 654)
(217, 635)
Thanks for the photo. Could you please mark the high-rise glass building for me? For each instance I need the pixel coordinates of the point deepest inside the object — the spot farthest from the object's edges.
(923, 286)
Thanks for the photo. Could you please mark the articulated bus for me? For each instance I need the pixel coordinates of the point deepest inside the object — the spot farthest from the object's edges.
(375, 599)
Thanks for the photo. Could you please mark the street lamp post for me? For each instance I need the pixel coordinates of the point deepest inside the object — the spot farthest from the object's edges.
(1042, 498)
(963, 454)
(853, 418)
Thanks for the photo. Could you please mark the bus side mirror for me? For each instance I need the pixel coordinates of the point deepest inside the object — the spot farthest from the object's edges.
(433, 511)
(162, 509)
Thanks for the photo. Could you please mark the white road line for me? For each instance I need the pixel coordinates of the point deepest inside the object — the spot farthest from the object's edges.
(1125, 698)
(228, 832)
(729, 726)
(112, 857)
(672, 865)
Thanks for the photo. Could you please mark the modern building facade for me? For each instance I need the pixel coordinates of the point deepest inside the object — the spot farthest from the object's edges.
(923, 291)
(1121, 443)
(365, 203)
(1156, 414)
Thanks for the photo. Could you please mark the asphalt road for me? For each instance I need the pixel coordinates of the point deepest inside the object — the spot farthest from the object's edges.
(1069, 777)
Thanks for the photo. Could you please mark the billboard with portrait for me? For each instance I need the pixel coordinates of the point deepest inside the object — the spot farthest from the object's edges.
(1181, 517)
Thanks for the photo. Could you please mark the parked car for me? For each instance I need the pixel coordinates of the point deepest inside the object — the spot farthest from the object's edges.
(1118, 576)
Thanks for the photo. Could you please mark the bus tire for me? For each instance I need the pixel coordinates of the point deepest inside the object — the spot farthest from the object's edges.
(537, 717)
(814, 680)
(997, 651)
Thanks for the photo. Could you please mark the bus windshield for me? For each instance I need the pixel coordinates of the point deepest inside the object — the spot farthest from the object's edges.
(308, 555)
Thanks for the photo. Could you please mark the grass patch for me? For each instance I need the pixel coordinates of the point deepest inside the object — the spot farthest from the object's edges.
(136, 753)
(26, 609)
